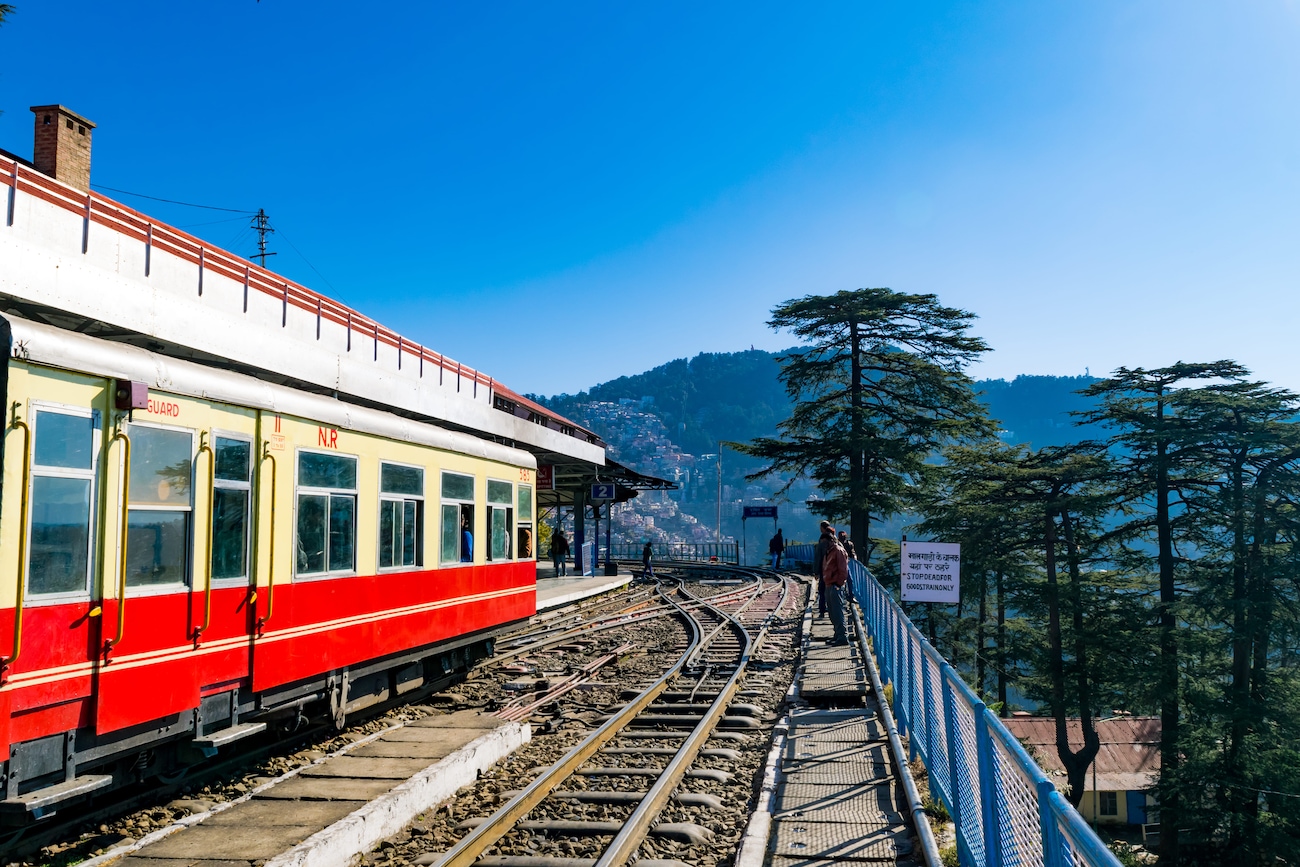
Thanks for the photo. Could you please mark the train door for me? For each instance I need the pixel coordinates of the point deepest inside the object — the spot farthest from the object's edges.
(148, 670)
(47, 670)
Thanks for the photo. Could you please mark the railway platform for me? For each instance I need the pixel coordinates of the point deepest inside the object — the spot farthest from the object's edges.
(342, 803)
(831, 792)
(554, 591)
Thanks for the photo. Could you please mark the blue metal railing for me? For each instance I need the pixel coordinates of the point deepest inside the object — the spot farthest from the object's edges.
(697, 552)
(1005, 809)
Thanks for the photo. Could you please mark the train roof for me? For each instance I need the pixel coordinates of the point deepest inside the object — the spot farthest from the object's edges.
(85, 263)
(67, 350)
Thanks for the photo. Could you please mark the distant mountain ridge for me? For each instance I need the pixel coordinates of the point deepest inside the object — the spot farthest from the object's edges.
(718, 396)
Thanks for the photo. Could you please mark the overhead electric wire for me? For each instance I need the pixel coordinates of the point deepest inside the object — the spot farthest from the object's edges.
(210, 223)
(171, 201)
(237, 238)
(281, 233)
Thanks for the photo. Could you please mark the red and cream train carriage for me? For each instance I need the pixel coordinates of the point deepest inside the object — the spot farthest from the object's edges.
(226, 498)
(227, 551)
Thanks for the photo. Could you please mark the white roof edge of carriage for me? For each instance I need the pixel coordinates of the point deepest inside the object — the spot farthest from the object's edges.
(91, 257)
(56, 347)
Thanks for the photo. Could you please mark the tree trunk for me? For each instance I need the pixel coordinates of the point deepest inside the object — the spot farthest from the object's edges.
(979, 634)
(1002, 645)
(1055, 654)
(1233, 797)
(859, 508)
(1077, 767)
(1170, 755)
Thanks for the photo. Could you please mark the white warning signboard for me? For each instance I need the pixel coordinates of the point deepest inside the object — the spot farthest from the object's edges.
(931, 571)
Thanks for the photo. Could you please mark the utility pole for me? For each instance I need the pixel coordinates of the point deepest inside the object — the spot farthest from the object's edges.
(262, 226)
(719, 492)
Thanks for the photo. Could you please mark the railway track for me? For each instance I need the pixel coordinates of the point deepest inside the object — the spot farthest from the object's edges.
(76, 834)
(630, 773)
(636, 760)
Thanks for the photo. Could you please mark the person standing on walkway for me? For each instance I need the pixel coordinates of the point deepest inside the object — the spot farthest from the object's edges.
(835, 574)
(847, 545)
(819, 554)
(647, 562)
(560, 553)
(852, 553)
(776, 548)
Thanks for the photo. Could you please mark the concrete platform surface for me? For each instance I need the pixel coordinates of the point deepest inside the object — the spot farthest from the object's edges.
(328, 812)
(552, 591)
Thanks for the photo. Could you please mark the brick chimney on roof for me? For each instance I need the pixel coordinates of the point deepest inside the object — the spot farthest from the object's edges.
(62, 148)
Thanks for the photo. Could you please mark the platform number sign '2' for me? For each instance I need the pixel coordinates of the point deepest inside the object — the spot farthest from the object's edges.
(602, 491)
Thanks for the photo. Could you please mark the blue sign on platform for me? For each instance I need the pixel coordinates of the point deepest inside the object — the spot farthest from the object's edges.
(604, 491)
(759, 512)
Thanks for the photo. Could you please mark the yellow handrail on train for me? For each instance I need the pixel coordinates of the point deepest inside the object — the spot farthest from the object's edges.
(270, 560)
(122, 537)
(22, 540)
(207, 583)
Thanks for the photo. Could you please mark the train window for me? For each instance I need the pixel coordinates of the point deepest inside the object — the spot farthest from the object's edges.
(524, 547)
(63, 476)
(500, 518)
(232, 491)
(457, 518)
(327, 514)
(401, 516)
(158, 514)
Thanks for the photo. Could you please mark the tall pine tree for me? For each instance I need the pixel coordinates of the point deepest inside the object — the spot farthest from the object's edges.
(878, 389)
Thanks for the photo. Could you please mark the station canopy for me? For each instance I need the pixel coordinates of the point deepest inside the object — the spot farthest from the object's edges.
(572, 481)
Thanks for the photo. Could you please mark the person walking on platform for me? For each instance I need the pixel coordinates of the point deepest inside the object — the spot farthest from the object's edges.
(835, 574)
(776, 548)
(560, 553)
(819, 554)
(647, 562)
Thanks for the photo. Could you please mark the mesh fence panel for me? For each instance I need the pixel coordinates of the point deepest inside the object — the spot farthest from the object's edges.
(936, 732)
(967, 777)
(918, 675)
(1020, 832)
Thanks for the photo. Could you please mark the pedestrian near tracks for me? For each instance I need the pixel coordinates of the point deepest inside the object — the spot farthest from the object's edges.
(819, 554)
(560, 553)
(835, 574)
(848, 545)
(776, 548)
(647, 562)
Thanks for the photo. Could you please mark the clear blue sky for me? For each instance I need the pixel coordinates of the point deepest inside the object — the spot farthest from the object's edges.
(561, 193)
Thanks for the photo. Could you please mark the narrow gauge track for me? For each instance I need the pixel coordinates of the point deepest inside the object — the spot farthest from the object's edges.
(717, 656)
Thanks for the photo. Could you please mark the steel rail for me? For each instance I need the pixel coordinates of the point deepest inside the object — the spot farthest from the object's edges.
(496, 826)
(638, 825)
(522, 707)
(613, 621)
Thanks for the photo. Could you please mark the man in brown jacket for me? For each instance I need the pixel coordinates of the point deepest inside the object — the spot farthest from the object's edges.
(835, 574)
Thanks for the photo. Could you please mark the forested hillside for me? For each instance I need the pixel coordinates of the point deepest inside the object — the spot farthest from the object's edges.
(713, 396)
(736, 396)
